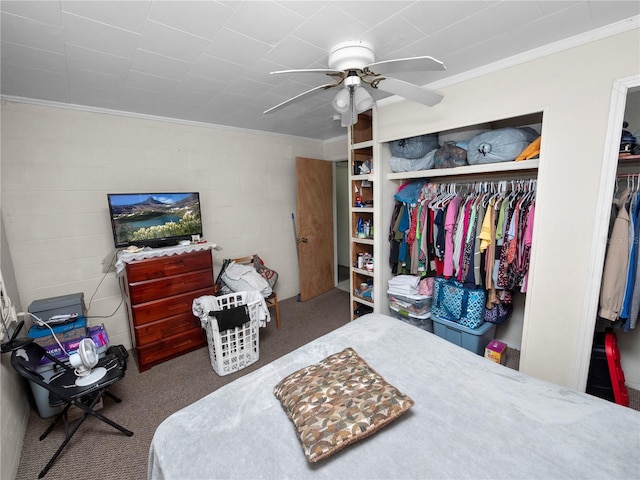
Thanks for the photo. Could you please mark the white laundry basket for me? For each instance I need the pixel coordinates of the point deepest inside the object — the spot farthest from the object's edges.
(236, 348)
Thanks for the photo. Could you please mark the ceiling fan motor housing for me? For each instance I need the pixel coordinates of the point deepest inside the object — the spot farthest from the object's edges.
(352, 55)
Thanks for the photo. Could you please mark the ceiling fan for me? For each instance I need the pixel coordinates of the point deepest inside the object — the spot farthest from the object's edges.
(352, 65)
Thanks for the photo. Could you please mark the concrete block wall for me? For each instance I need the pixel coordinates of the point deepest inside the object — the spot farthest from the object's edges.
(59, 164)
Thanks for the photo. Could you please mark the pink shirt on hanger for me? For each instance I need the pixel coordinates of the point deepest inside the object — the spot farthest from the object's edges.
(449, 223)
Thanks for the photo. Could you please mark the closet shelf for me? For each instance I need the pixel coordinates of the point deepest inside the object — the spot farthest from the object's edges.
(365, 241)
(362, 301)
(368, 176)
(362, 271)
(468, 170)
(628, 158)
(361, 145)
(362, 209)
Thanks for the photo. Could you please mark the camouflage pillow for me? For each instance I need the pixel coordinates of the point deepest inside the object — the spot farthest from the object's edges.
(337, 402)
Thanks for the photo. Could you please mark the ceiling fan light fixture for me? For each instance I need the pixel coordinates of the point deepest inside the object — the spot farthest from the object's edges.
(362, 100)
(351, 55)
(348, 119)
(341, 101)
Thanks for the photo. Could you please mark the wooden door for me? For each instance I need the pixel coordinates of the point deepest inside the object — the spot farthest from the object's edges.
(315, 226)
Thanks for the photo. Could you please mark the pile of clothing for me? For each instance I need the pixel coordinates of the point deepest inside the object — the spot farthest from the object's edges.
(404, 285)
(243, 278)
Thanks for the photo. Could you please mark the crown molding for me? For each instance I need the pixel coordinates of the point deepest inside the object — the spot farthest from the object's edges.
(606, 31)
(143, 116)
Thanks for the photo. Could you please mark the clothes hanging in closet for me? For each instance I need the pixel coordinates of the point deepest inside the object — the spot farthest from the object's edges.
(620, 289)
(475, 234)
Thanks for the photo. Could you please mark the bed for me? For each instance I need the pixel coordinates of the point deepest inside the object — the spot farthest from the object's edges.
(471, 418)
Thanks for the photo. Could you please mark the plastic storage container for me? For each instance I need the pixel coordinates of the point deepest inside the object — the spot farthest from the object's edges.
(424, 322)
(47, 368)
(64, 333)
(234, 349)
(46, 308)
(472, 339)
(41, 394)
(416, 305)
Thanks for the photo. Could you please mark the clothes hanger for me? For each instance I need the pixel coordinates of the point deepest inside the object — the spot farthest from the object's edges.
(517, 195)
(492, 195)
(450, 195)
(500, 195)
(439, 191)
(530, 192)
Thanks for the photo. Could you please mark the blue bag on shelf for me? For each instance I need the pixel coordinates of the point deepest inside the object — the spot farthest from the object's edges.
(414, 147)
(454, 302)
(502, 145)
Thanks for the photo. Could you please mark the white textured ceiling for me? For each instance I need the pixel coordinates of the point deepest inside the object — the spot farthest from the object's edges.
(209, 61)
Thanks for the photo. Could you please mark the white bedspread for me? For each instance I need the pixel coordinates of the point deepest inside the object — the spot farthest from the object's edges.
(472, 419)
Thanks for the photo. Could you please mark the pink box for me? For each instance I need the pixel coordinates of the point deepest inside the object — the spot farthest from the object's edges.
(496, 351)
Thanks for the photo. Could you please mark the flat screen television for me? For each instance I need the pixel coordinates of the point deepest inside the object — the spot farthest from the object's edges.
(154, 219)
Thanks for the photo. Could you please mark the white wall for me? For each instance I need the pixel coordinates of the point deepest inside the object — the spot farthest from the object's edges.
(573, 88)
(57, 167)
(59, 164)
(14, 404)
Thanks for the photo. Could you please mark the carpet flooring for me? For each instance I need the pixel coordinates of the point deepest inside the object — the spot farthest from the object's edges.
(97, 451)
(100, 452)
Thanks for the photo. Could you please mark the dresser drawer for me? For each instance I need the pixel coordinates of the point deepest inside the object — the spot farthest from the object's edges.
(170, 347)
(166, 307)
(149, 290)
(159, 267)
(167, 327)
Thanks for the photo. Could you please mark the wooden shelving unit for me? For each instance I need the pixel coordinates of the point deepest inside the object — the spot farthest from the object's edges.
(362, 186)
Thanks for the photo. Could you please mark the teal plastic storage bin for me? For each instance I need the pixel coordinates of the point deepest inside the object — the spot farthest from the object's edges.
(472, 339)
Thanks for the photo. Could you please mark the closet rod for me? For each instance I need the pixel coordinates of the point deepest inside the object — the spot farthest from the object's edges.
(511, 184)
(484, 177)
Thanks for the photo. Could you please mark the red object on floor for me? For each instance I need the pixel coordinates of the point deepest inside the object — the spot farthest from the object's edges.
(620, 392)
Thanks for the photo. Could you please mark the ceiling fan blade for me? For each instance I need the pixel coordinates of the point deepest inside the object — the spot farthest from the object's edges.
(308, 93)
(411, 64)
(328, 71)
(410, 91)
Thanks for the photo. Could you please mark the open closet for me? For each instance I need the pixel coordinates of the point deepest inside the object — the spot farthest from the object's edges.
(470, 184)
(619, 298)
(574, 189)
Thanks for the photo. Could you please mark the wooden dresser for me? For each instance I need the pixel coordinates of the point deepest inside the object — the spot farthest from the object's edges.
(159, 293)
